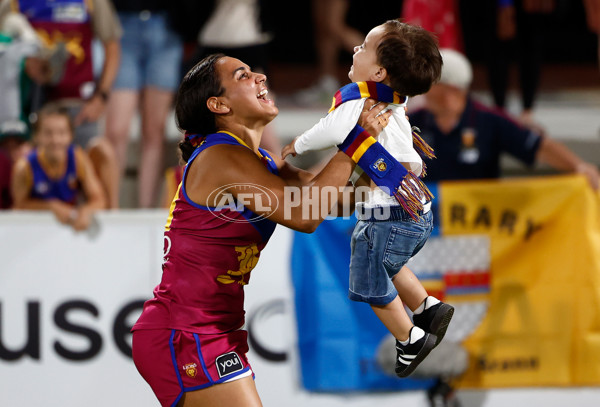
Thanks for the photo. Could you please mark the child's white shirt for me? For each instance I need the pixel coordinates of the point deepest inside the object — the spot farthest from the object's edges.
(396, 138)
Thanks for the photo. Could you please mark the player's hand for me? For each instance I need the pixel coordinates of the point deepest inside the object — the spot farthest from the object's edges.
(374, 117)
(289, 149)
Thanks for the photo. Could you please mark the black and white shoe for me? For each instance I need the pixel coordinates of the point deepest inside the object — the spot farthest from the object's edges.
(435, 319)
(409, 356)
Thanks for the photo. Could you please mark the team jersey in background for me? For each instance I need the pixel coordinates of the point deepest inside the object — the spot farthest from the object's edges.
(64, 188)
(68, 22)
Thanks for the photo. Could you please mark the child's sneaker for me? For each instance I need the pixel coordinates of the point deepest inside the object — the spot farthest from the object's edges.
(409, 356)
(435, 318)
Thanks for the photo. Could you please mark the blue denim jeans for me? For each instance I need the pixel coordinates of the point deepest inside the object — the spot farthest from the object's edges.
(151, 53)
(380, 247)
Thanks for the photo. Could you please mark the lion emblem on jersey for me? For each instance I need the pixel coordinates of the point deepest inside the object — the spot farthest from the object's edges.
(191, 369)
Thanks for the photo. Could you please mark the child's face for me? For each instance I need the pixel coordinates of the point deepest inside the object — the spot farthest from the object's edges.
(54, 134)
(364, 61)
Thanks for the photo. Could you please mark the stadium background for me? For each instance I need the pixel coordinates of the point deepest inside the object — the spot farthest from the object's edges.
(38, 254)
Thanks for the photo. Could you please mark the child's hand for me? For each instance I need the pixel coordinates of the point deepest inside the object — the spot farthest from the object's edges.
(289, 149)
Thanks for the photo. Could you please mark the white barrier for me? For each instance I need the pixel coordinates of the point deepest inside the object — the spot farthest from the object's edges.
(67, 301)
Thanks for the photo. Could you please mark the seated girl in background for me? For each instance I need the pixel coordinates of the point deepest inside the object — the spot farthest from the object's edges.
(57, 175)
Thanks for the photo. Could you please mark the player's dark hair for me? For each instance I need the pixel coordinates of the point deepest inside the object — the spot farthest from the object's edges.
(411, 57)
(191, 112)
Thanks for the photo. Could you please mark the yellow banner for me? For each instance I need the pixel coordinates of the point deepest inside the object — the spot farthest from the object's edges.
(542, 327)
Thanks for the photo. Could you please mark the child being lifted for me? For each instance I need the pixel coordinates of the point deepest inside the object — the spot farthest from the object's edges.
(395, 61)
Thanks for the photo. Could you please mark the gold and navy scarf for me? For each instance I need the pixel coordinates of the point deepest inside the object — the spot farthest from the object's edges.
(383, 169)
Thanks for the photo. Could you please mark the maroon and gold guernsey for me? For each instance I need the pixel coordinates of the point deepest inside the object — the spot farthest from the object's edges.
(209, 253)
(68, 22)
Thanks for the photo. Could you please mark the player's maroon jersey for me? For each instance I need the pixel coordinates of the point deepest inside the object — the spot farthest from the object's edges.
(209, 253)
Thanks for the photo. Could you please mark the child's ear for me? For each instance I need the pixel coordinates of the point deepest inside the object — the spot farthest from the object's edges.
(216, 105)
(380, 75)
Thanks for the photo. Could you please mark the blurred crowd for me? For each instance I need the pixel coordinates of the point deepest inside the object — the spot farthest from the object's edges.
(77, 76)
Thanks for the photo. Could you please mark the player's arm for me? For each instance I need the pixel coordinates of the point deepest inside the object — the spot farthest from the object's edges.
(298, 206)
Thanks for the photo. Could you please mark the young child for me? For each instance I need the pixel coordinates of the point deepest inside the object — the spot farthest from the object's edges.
(53, 176)
(396, 60)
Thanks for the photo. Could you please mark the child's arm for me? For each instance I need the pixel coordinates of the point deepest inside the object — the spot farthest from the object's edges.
(330, 131)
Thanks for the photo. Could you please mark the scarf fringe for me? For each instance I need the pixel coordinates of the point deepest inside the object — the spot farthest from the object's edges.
(423, 170)
(422, 144)
(410, 194)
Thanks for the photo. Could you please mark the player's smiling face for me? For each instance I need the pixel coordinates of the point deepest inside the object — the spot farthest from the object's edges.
(246, 93)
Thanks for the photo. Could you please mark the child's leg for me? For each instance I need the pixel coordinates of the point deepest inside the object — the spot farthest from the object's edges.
(395, 318)
(432, 316)
(410, 290)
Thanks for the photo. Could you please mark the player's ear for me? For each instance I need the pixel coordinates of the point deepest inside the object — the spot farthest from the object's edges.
(216, 105)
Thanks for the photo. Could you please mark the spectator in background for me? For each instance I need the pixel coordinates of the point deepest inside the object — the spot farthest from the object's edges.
(71, 26)
(592, 15)
(469, 138)
(57, 175)
(332, 35)
(516, 26)
(18, 41)
(438, 16)
(5, 174)
(240, 29)
(149, 73)
(14, 144)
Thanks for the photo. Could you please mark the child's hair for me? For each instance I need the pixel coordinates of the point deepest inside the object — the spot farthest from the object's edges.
(410, 56)
(51, 109)
(191, 113)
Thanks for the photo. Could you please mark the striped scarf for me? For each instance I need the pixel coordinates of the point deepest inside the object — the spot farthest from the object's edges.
(383, 169)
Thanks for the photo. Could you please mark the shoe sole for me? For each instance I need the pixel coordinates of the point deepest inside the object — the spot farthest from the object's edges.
(440, 322)
(430, 343)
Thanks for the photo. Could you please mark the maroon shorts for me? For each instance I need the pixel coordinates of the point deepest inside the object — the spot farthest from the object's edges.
(174, 362)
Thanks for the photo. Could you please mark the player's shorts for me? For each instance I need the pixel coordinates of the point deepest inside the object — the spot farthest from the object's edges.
(174, 362)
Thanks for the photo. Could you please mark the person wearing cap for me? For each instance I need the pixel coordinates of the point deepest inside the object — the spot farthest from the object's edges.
(469, 138)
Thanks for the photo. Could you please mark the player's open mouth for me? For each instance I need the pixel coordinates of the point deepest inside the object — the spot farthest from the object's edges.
(263, 94)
